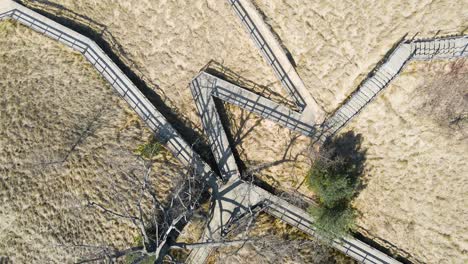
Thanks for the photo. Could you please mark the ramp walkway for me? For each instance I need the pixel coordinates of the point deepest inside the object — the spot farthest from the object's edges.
(232, 196)
(254, 197)
(388, 69)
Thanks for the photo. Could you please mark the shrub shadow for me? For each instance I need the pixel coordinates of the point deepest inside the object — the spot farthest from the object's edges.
(348, 151)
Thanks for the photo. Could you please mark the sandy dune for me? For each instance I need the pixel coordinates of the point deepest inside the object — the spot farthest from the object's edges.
(336, 43)
(169, 42)
(50, 97)
(416, 169)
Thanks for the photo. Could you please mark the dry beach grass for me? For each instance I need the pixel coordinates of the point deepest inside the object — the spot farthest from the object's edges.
(65, 138)
(334, 43)
(415, 136)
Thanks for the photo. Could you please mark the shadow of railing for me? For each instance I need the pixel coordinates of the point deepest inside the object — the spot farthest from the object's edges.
(225, 122)
(275, 34)
(219, 70)
(385, 246)
(108, 43)
(267, 52)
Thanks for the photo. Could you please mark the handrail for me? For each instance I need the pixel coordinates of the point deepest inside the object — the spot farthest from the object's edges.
(118, 80)
(387, 70)
(176, 144)
(268, 53)
(346, 245)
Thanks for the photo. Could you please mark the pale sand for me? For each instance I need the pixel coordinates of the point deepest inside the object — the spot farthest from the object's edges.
(336, 43)
(171, 41)
(334, 47)
(416, 169)
(49, 95)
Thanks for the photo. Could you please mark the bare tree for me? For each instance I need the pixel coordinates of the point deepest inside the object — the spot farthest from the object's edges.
(251, 236)
(158, 219)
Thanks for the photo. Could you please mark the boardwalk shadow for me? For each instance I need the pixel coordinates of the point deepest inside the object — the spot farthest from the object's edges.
(277, 36)
(108, 43)
(240, 127)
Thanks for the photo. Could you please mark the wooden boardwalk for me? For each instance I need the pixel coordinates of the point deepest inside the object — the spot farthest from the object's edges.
(255, 197)
(276, 57)
(232, 196)
(388, 69)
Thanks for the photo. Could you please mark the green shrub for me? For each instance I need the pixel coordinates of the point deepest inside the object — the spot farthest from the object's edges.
(332, 185)
(333, 222)
(149, 149)
(334, 178)
(138, 240)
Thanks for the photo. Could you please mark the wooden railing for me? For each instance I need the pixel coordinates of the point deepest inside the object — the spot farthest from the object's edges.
(384, 73)
(428, 49)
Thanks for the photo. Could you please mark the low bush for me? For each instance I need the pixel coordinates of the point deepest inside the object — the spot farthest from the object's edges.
(149, 149)
(333, 222)
(334, 178)
(330, 183)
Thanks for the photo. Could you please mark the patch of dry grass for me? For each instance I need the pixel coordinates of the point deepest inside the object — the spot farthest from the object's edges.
(65, 137)
(281, 243)
(415, 134)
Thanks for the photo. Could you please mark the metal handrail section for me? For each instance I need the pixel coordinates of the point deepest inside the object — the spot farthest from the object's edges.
(440, 48)
(429, 49)
(267, 53)
(6, 15)
(117, 79)
(265, 108)
(362, 253)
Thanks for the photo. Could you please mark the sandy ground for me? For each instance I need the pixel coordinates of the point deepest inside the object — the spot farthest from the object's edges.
(169, 42)
(416, 137)
(336, 43)
(50, 97)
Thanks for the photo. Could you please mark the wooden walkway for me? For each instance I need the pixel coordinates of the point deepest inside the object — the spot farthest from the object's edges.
(276, 57)
(256, 197)
(388, 69)
(232, 196)
(206, 87)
